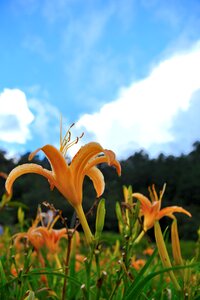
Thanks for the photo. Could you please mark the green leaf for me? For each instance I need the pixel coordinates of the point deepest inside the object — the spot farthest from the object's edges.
(29, 295)
(2, 273)
(17, 204)
(134, 291)
(142, 271)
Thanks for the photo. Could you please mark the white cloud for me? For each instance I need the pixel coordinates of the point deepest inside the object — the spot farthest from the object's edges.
(46, 123)
(143, 114)
(15, 116)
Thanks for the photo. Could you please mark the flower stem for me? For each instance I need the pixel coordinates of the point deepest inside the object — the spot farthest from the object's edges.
(140, 236)
(84, 223)
(67, 265)
(57, 261)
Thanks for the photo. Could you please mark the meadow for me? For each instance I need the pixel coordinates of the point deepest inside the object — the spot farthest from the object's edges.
(53, 257)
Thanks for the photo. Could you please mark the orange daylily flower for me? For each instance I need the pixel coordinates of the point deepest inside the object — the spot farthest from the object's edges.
(52, 237)
(151, 209)
(41, 236)
(149, 251)
(79, 262)
(138, 263)
(68, 178)
(32, 235)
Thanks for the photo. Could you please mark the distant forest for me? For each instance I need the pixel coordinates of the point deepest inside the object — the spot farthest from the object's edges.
(181, 174)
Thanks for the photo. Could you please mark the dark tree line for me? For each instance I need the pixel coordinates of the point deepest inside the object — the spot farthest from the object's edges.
(181, 174)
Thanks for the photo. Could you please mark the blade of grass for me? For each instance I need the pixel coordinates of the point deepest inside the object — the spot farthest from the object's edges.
(143, 270)
(3, 276)
(136, 290)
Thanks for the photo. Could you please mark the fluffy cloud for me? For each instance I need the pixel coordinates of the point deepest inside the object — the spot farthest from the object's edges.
(15, 116)
(144, 113)
(45, 127)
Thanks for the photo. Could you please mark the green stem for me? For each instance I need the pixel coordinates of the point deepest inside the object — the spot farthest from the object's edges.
(164, 254)
(140, 236)
(88, 265)
(59, 266)
(84, 223)
(67, 265)
(99, 280)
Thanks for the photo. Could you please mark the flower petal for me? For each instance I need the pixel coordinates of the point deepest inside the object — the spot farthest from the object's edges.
(146, 203)
(112, 160)
(83, 156)
(80, 161)
(107, 158)
(62, 173)
(168, 211)
(86, 159)
(18, 237)
(98, 180)
(150, 216)
(25, 169)
(58, 163)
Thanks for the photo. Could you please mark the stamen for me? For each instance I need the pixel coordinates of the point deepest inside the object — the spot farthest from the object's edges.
(50, 226)
(38, 218)
(151, 194)
(82, 134)
(65, 143)
(162, 192)
(66, 139)
(154, 193)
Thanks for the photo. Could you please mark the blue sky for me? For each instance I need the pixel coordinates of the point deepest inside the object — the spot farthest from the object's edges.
(126, 72)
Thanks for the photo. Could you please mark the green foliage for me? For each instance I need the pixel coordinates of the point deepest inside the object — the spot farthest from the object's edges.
(102, 275)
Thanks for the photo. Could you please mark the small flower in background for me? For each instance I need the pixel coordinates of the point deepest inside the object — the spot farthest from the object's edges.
(51, 237)
(68, 178)
(13, 271)
(148, 251)
(32, 236)
(40, 236)
(79, 264)
(138, 263)
(152, 213)
(151, 209)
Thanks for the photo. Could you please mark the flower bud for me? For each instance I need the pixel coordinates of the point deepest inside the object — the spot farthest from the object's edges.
(100, 218)
(20, 215)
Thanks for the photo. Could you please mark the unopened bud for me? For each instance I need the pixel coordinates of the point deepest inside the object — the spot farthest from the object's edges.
(20, 215)
(100, 218)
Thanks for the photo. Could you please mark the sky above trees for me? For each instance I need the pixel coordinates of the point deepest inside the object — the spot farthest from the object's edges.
(127, 73)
